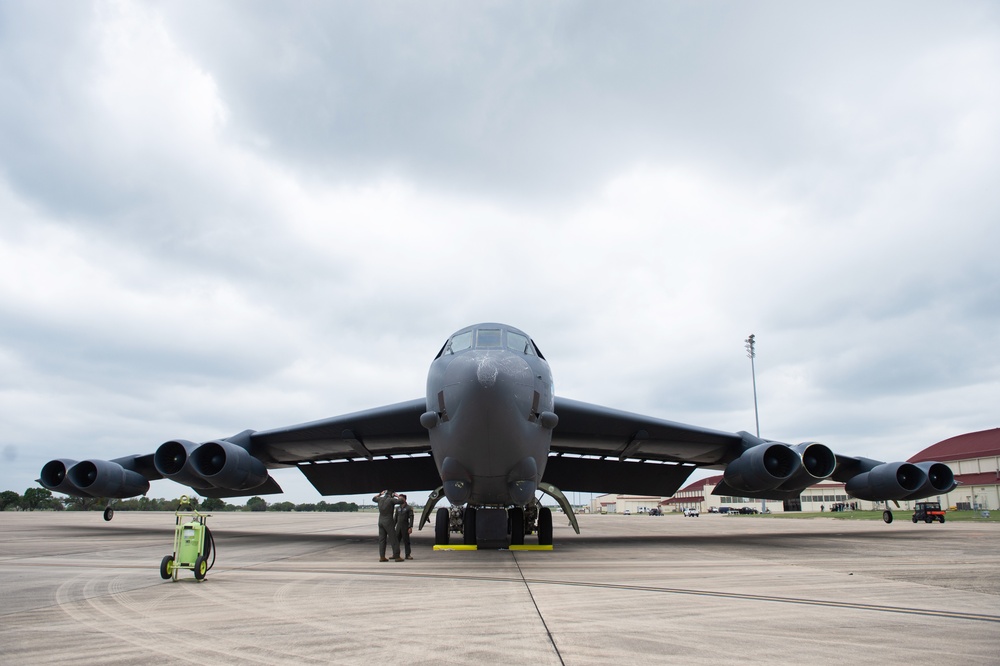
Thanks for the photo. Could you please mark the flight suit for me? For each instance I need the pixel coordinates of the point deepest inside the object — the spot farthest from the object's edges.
(404, 523)
(386, 529)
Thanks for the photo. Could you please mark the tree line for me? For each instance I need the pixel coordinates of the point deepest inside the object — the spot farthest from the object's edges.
(42, 499)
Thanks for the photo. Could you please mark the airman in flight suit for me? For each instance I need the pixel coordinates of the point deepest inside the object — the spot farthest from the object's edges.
(404, 525)
(387, 501)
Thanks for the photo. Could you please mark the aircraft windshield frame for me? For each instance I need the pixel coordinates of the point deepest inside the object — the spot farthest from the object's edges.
(490, 338)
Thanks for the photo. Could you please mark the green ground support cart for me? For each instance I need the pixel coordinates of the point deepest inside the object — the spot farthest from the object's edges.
(193, 546)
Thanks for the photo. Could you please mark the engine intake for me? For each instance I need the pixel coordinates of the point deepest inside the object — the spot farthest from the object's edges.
(763, 467)
(818, 463)
(54, 477)
(173, 460)
(889, 481)
(940, 479)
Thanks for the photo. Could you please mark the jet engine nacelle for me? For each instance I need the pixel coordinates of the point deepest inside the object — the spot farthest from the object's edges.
(173, 460)
(818, 463)
(104, 478)
(226, 465)
(763, 467)
(54, 477)
(940, 480)
(215, 464)
(888, 481)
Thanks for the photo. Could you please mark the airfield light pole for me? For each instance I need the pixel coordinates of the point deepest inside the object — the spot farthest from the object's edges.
(751, 347)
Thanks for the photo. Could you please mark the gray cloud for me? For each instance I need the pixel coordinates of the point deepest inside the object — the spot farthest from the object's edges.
(243, 215)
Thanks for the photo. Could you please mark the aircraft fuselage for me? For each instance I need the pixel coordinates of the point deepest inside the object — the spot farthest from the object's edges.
(490, 416)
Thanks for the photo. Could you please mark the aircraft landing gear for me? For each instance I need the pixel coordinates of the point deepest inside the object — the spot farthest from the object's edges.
(469, 527)
(490, 528)
(516, 518)
(109, 512)
(887, 516)
(545, 526)
(442, 527)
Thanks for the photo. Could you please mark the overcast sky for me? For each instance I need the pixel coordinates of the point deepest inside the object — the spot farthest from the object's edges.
(230, 215)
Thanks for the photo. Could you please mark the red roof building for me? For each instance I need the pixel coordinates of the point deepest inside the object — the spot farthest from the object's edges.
(973, 445)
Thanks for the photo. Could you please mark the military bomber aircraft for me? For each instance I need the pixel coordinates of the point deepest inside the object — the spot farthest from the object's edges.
(490, 435)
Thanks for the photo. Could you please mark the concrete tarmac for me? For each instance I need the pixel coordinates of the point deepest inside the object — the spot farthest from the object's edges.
(308, 589)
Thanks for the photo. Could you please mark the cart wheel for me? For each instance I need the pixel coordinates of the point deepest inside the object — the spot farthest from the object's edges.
(200, 567)
(942, 519)
(208, 543)
(166, 567)
(914, 518)
(109, 513)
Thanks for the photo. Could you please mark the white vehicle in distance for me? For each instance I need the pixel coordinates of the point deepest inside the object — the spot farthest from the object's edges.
(690, 513)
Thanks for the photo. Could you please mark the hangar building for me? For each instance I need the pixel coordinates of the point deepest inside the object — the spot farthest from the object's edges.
(974, 458)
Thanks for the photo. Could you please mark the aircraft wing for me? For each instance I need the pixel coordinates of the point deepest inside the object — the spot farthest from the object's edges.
(384, 447)
(599, 449)
(382, 431)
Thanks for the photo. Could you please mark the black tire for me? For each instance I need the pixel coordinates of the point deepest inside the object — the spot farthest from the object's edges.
(516, 518)
(887, 516)
(942, 519)
(208, 544)
(929, 519)
(167, 567)
(109, 513)
(914, 519)
(469, 527)
(545, 526)
(200, 567)
(442, 526)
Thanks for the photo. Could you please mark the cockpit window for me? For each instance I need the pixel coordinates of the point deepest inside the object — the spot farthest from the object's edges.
(460, 342)
(457, 343)
(519, 343)
(488, 338)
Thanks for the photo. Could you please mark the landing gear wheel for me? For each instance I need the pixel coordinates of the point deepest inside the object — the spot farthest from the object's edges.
(200, 567)
(109, 513)
(545, 526)
(441, 527)
(516, 518)
(887, 516)
(167, 567)
(469, 527)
